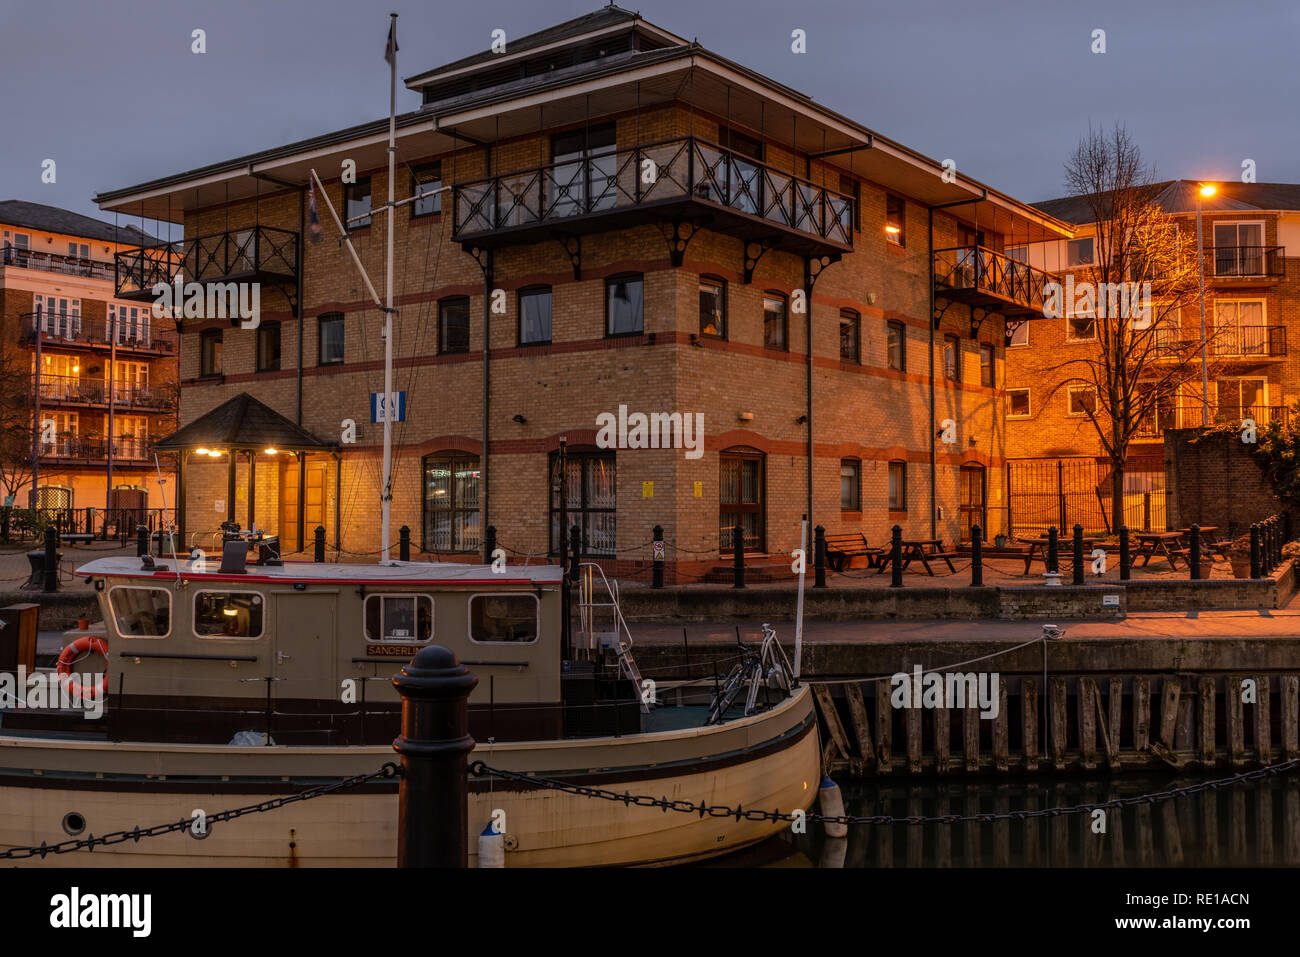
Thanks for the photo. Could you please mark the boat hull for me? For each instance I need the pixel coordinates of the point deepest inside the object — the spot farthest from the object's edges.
(768, 761)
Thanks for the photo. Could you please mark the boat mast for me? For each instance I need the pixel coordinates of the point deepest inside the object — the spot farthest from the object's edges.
(386, 495)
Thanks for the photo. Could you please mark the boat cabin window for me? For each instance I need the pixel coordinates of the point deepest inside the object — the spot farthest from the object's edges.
(141, 612)
(503, 618)
(228, 614)
(399, 618)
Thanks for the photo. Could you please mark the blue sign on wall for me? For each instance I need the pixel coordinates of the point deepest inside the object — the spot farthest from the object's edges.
(378, 408)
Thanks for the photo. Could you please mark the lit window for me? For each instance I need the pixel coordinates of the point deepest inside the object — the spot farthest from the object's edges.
(713, 307)
(895, 220)
(405, 618)
(850, 485)
(228, 614)
(774, 321)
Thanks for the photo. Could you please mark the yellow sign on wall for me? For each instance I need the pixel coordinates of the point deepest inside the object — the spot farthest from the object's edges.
(647, 489)
(699, 490)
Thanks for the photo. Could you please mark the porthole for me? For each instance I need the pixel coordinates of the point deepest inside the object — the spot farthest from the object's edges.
(74, 823)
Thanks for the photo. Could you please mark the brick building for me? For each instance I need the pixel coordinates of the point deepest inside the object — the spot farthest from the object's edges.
(1250, 239)
(107, 373)
(632, 221)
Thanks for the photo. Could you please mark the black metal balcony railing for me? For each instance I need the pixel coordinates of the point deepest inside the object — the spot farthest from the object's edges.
(1188, 413)
(1247, 262)
(94, 450)
(52, 262)
(255, 254)
(1265, 342)
(982, 276)
(687, 169)
(64, 330)
(76, 390)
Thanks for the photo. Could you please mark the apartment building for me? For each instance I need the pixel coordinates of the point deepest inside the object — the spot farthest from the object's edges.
(632, 225)
(98, 373)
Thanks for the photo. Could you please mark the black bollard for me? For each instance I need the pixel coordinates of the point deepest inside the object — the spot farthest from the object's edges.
(1078, 554)
(976, 556)
(51, 558)
(738, 558)
(141, 540)
(896, 557)
(1194, 551)
(1255, 570)
(433, 797)
(657, 559)
(489, 544)
(1286, 526)
(1124, 564)
(319, 555)
(819, 557)
(1052, 557)
(575, 552)
(404, 544)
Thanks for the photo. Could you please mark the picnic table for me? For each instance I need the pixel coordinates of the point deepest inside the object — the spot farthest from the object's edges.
(1169, 544)
(923, 550)
(1064, 546)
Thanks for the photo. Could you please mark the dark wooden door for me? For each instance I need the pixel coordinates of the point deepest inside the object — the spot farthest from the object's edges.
(740, 500)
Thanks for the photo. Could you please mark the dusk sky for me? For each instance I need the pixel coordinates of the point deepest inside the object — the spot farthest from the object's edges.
(113, 93)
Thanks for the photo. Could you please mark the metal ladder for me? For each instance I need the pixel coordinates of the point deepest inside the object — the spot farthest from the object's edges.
(616, 635)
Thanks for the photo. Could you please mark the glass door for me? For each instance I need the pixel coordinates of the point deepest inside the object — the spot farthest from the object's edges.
(740, 500)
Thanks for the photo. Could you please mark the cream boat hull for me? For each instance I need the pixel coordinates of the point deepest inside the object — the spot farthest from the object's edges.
(769, 760)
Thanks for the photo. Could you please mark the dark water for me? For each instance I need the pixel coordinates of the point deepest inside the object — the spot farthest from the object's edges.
(1252, 824)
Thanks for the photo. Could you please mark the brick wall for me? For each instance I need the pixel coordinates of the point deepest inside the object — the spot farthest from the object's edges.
(1214, 480)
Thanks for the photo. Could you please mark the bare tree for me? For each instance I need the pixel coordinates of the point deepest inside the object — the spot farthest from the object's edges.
(16, 435)
(1144, 272)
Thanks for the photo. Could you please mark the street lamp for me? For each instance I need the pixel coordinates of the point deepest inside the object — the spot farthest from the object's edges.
(1205, 191)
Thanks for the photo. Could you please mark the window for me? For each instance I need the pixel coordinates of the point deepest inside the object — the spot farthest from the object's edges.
(1082, 400)
(1019, 253)
(1239, 328)
(423, 179)
(451, 483)
(407, 618)
(1078, 252)
(1019, 335)
(130, 324)
(356, 202)
(952, 358)
(895, 220)
(60, 316)
(988, 371)
(713, 307)
(141, 612)
(896, 345)
(210, 352)
(131, 380)
(453, 325)
(774, 321)
(65, 430)
(228, 614)
(590, 489)
(268, 347)
(1017, 403)
(852, 188)
(331, 339)
(21, 240)
(503, 618)
(624, 306)
(583, 178)
(1080, 327)
(738, 142)
(850, 336)
(1238, 249)
(534, 316)
(850, 485)
(898, 486)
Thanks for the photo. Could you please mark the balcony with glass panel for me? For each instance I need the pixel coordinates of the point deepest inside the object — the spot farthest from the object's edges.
(258, 254)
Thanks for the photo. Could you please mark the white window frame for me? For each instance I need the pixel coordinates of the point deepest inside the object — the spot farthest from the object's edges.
(1070, 392)
(122, 323)
(469, 618)
(171, 611)
(414, 641)
(194, 610)
(1092, 255)
(1029, 398)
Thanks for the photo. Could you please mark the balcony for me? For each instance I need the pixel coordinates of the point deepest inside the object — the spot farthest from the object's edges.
(258, 254)
(70, 449)
(1187, 413)
(990, 280)
(73, 333)
(691, 177)
(1253, 264)
(1225, 343)
(50, 262)
(93, 393)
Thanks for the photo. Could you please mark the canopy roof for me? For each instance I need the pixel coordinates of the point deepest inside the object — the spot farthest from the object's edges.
(243, 423)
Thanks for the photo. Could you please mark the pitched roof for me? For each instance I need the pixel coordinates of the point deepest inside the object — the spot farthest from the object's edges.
(239, 423)
(17, 212)
(1180, 196)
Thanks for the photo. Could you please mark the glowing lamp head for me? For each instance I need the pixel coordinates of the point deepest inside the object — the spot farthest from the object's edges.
(202, 452)
(215, 453)
(1208, 190)
(893, 230)
(270, 451)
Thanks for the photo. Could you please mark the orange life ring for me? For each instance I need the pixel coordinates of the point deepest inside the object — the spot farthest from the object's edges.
(78, 647)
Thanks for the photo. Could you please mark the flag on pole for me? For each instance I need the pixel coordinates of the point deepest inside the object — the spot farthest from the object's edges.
(391, 49)
(313, 218)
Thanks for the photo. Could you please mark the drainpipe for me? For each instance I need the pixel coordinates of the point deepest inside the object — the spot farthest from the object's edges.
(929, 321)
(302, 254)
(483, 457)
(808, 289)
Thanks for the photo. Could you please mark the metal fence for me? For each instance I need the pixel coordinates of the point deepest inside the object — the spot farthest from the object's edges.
(1065, 492)
(103, 524)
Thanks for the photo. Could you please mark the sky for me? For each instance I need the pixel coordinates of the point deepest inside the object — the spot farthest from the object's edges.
(114, 94)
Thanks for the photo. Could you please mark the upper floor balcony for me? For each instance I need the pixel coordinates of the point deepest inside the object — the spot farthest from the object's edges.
(1223, 342)
(260, 254)
(51, 262)
(1251, 264)
(72, 333)
(678, 178)
(70, 449)
(987, 279)
(85, 392)
(1190, 413)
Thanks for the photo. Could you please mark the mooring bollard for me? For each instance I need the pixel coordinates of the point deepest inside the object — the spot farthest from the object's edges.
(1255, 570)
(896, 557)
(489, 544)
(1194, 551)
(1052, 556)
(1124, 565)
(738, 557)
(819, 557)
(976, 556)
(433, 797)
(1078, 554)
(657, 558)
(404, 544)
(51, 558)
(141, 540)
(319, 555)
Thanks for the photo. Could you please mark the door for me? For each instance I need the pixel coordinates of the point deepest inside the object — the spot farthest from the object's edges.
(1238, 249)
(971, 509)
(291, 534)
(303, 649)
(740, 499)
(130, 507)
(1238, 399)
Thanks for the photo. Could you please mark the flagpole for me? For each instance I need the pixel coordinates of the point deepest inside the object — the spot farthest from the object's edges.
(386, 499)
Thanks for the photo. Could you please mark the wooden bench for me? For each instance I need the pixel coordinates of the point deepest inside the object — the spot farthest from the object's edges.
(842, 549)
(79, 538)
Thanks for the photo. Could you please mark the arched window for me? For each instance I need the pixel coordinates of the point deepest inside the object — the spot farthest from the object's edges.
(451, 484)
(590, 490)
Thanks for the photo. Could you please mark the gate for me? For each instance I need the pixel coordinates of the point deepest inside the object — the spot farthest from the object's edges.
(1065, 492)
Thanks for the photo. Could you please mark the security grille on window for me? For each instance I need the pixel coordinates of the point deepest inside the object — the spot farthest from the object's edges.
(590, 490)
(228, 614)
(451, 484)
(404, 618)
(453, 325)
